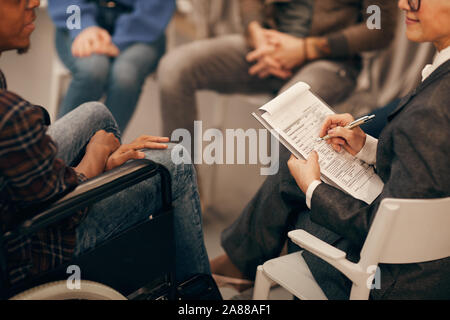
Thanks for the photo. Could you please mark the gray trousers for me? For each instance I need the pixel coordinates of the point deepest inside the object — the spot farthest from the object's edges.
(219, 64)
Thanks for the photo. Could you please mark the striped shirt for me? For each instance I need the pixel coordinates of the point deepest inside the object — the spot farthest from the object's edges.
(30, 175)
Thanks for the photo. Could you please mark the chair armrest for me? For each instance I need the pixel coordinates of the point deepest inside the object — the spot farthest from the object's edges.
(315, 245)
(94, 190)
(330, 254)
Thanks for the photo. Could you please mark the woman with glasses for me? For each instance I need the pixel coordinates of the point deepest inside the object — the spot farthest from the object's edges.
(113, 50)
(412, 158)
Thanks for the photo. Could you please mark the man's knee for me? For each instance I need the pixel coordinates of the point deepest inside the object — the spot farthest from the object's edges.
(332, 81)
(188, 67)
(98, 116)
(182, 172)
(173, 70)
(93, 70)
(126, 76)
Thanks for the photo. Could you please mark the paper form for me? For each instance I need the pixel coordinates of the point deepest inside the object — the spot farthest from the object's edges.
(298, 120)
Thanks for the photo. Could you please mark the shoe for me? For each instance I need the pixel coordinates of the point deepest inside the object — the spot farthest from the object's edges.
(234, 283)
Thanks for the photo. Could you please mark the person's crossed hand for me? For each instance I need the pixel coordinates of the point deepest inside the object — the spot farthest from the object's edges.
(264, 65)
(94, 40)
(275, 53)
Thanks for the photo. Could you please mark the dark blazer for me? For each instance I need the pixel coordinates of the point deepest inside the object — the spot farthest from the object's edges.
(413, 161)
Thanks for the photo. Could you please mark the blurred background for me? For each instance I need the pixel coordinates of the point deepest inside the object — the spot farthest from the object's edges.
(40, 78)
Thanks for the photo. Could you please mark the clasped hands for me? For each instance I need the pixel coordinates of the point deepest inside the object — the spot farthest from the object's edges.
(350, 140)
(104, 152)
(275, 53)
(94, 40)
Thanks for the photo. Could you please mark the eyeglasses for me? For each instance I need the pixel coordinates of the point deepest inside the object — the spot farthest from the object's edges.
(414, 5)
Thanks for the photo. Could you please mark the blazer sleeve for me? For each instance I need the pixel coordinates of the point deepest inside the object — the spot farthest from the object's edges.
(418, 170)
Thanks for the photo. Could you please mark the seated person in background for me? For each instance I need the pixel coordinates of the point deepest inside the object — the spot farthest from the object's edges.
(317, 42)
(411, 157)
(118, 45)
(37, 165)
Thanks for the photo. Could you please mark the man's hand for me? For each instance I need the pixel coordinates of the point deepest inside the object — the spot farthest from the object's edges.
(94, 40)
(290, 51)
(152, 142)
(351, 140)
(132, 151)
(275, 53)
(305, 172)
(98, 150)
(103, 142)
(256, 37)
(264, 64)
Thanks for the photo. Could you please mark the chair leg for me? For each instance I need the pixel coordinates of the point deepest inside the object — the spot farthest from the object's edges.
(262, 285)
(360, 292)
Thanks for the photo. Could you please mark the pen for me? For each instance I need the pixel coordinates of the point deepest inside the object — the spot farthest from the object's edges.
(352, 125)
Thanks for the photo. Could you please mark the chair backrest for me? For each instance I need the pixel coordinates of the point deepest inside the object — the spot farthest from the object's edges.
(408, 231)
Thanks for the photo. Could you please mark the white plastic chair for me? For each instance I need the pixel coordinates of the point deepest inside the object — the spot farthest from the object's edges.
(403, 231)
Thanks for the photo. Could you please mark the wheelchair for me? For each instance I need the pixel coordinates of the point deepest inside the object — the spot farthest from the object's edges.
(104, 269)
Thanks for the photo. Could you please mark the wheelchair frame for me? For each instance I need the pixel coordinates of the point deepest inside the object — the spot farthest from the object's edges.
(106, 264)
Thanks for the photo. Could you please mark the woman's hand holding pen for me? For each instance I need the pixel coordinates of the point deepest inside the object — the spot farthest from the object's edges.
(339, 136)
(352, 140)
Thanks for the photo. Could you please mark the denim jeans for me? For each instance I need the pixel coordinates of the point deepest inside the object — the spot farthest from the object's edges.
(110, 217)
(120, 79)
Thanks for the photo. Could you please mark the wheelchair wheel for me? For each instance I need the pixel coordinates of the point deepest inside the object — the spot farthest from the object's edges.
(58, 291)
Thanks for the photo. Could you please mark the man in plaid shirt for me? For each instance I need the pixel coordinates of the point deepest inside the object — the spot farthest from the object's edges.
(33, 171)
(30, 174)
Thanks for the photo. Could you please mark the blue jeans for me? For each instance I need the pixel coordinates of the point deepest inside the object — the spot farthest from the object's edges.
(110, 217)
(120, 78)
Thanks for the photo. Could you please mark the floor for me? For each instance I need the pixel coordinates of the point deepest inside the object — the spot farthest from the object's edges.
(212, 227)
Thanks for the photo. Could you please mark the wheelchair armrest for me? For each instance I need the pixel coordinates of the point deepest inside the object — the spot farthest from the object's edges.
(94, 190)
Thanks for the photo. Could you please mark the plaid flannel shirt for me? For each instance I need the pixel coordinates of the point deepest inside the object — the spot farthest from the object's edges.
(30, 174)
